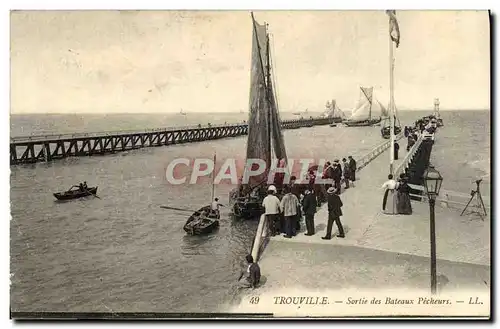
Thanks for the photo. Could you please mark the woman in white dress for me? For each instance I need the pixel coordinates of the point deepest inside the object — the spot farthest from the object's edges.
(389, 203)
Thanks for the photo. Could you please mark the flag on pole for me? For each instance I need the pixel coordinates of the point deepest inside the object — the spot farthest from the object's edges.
(394, 27)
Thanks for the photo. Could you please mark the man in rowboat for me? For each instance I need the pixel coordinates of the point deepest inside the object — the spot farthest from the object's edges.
(215, 206)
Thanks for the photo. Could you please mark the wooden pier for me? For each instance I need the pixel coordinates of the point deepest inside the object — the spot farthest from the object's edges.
(379, 251)
(31, 149)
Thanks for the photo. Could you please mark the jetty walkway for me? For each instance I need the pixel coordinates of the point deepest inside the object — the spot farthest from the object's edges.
(379, 251)
(40, 148)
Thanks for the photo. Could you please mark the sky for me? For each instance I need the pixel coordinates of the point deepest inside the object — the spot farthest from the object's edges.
(162, 61)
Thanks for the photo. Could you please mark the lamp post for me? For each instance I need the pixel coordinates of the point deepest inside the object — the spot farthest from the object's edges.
(432, 182)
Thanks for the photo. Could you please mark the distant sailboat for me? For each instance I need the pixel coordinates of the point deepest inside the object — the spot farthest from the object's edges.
(332, 111)
(301, 113)
(368, 111)
(182, 112)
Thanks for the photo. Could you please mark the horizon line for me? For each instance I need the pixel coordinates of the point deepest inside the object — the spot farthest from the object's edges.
(231, 112)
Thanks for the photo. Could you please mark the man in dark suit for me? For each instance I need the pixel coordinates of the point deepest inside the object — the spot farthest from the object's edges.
(337, 175)
(352, 168)
(334, 213)
(396, 151)
(309, 204)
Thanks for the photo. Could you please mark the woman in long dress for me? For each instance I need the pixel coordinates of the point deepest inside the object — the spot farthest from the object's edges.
(389, 203)
(404, 203)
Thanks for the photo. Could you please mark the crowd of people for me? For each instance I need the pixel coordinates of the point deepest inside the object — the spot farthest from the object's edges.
(302, 200)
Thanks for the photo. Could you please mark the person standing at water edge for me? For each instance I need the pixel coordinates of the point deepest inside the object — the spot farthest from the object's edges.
(389, 201)
(310, 205)
(251, 277)
(334, 213)
(271, 204)
(289, 205)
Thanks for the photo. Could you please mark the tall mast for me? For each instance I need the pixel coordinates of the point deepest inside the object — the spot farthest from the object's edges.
(213, 178)
(266, 89)
(391, 101)
(268, 85)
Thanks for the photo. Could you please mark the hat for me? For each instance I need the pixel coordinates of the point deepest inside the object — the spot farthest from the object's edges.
(272, 188)
(331, 190)
(336, 160)
(307, 192)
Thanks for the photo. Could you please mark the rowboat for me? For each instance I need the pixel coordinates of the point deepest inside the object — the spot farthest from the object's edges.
(202, 221)
(75, 194)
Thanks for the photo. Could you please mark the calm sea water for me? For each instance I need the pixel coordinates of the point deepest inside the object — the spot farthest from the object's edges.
(124, 253)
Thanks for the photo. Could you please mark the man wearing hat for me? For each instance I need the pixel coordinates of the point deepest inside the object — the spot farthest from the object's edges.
(337, 175)
(309, 204)
(271, 205)
(352, 168)
(334, 213)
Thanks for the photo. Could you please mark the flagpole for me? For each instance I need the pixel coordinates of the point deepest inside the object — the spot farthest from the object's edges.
(391, 101)
(213, 178)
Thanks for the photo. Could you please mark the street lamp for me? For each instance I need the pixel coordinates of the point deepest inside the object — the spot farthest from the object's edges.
(432, 183)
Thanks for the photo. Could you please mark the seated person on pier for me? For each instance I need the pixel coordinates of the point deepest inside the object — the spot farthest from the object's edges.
(251, 277)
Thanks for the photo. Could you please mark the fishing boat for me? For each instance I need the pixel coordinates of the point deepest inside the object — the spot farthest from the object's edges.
(363, 114)
(386, 128)
(265, 138)
(333, 112)
(75, 192)
(203, 221)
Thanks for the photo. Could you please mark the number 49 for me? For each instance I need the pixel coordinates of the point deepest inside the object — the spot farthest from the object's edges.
(254, 300)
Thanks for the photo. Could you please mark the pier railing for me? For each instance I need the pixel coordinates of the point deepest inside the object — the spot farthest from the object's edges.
(37, 148)
(375, 152)
(286, 124)
(47, 137)
(409, 157)
(260, 238)
(450, 199)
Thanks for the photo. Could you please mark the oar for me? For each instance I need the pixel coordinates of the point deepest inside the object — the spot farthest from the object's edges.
(180, 209)
(92, 194)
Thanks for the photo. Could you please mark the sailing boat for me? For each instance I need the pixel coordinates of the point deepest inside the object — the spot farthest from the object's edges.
(362, 115)
(182, 112)
(332, 111)
(265, 138)
(204, 220)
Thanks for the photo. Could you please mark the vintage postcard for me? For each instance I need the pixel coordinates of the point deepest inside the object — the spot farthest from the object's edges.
(250, 164)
